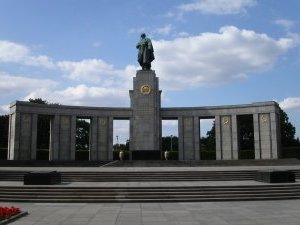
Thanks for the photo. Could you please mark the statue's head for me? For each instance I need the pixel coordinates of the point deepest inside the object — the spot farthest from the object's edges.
(143, 35)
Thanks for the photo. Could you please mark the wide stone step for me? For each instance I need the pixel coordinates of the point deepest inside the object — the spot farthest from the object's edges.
(143, 176)
(149, 194)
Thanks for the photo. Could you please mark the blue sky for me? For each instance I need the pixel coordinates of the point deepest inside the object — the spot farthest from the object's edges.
(208, 52)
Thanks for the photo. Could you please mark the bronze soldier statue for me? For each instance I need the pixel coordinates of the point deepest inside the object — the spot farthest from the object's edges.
(146, 52)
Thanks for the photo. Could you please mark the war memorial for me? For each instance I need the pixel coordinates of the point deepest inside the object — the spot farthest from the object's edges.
(171, 193)
(145, 115)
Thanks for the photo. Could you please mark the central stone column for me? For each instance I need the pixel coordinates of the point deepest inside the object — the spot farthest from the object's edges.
(145, 124)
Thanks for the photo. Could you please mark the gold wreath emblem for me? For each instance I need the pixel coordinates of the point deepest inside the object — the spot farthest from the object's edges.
(225, 120)
(146, 89)
(264, 118)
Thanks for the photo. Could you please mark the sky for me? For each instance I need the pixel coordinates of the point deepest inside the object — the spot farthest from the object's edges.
(208, 52)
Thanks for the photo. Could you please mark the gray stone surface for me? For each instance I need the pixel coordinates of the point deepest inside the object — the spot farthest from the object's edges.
(145, 115)
(145, 112)
(203, 213)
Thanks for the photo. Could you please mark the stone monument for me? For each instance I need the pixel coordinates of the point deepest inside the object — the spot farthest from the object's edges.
(145, 115)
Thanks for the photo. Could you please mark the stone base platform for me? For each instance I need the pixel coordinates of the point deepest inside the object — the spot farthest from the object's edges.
(275, 176)
(42, 178)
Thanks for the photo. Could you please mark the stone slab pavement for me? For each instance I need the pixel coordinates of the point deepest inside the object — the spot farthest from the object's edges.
(285, 212)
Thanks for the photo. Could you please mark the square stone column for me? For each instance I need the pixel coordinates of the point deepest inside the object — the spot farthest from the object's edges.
(226, 137)
(93, 139)
(22, 136)
(275, 135)
(266, 135)
(34, 118)
(145, 122)
(64, 138)
(105, 139)
(189, 136)
(14, 136)
(54, 137)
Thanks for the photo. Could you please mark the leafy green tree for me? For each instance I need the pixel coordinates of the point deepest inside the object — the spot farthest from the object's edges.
(82, 134)
(166, 143)
(288, 131)
(38, 101)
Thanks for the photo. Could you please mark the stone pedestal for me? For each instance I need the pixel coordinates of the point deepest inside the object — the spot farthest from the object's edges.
(275, 176)
(42, 178)
(145, 128)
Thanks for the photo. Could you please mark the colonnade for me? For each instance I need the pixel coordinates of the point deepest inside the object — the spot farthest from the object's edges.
(24, 118)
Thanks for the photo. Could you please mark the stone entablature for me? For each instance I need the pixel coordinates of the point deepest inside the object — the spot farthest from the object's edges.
(145, 115)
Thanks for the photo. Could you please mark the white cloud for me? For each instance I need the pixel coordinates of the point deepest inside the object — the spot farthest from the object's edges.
(183, 34)
(291, 103)
(97, 71)
(84, 95)
(287, 24)
(216, 58)
(165, 30)
(94, 70)
(4, 109)
(10, 83)
(218, 7)
(11, 52)
(137, 30)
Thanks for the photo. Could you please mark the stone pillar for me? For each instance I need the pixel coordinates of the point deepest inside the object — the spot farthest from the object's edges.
(189, 138)
(180, 139)
(130, 137)
(14, 136)
(9, 136)
(218, 138)
(102, 138)
(197, 137)
(275, 135)
(235, 140)
(54, 137)
(256, 136)
(65, 138)
(93, 139)
(145, 104)
(34, 136)
(26, 137)
(226, 137)
(73, 137)
(110, 138)
(266, 135)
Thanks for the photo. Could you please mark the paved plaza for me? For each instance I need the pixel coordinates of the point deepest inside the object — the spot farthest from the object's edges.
(285, 212)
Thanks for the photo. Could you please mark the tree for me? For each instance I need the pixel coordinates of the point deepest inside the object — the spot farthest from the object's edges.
(166, 143)
(82, 134)
(38, 101)
(210, 140)
(288, 131)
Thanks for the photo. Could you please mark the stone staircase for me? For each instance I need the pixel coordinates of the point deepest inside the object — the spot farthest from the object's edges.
(147, 193)
(145, 176)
